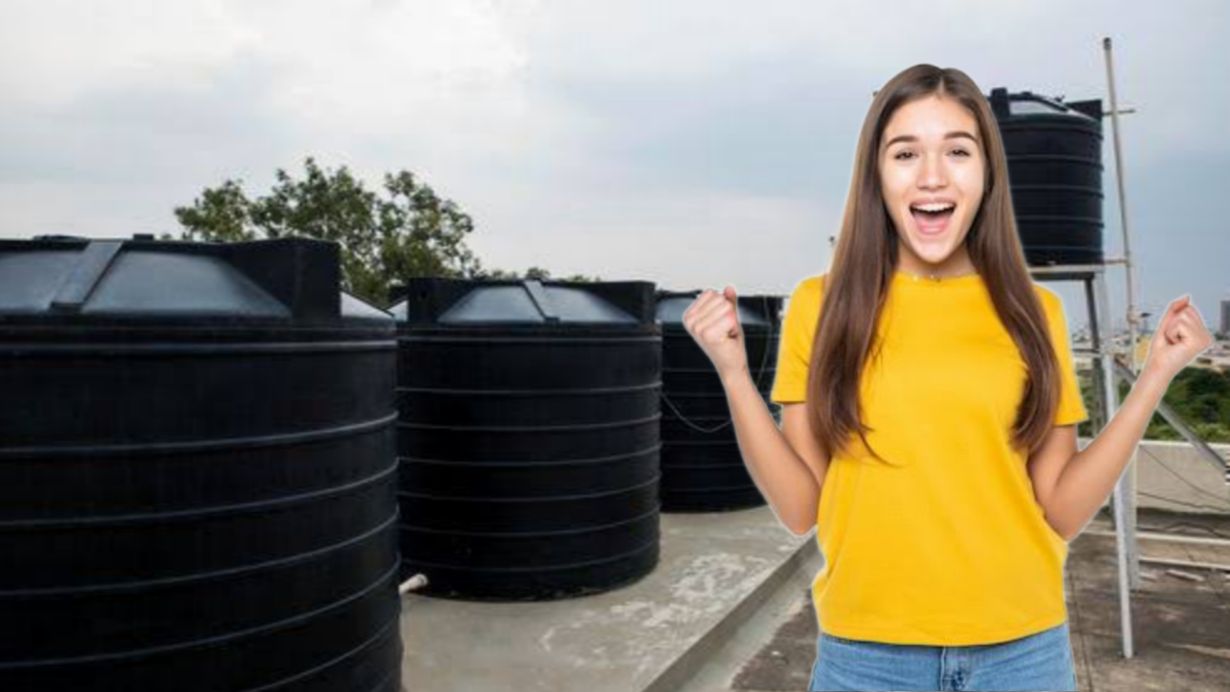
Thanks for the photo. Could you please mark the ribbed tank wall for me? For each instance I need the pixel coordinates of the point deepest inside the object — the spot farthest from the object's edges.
(702, 467)
(197, 472)
(1054, 155)
(528, 436)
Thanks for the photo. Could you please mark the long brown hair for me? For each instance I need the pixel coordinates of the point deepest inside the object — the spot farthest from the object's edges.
(866, 257)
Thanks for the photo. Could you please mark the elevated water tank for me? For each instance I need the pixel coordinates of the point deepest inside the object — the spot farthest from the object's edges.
(702, 467)
(1054, 154)
(197, 478)
(528, 436)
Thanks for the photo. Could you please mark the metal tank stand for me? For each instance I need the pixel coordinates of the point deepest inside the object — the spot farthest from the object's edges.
(1123, 500)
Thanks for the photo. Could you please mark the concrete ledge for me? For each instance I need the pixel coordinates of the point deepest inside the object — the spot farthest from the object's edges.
(697, 656)
(715, 569)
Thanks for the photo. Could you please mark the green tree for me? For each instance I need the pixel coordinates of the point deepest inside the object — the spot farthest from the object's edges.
(1201, 396)
(406, 231)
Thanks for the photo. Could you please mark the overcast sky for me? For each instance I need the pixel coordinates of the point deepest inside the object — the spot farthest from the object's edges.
(688, 143)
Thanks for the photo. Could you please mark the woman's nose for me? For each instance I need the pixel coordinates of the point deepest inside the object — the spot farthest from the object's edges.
(931, 173)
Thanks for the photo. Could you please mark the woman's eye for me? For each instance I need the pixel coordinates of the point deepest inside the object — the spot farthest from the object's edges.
(902, 155)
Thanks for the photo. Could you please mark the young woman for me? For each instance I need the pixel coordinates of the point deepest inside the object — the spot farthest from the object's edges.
(929, 410)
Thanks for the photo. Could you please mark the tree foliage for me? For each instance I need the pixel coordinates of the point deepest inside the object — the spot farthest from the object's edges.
(1201, 397)
(405, 231)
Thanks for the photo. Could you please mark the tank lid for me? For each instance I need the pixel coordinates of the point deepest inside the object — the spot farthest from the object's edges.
(754, 310)
(1028, 104)
(354, 307)
(281, 280)
(464, 302)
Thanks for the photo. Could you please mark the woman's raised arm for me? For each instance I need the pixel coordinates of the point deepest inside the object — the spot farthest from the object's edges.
(786, 464)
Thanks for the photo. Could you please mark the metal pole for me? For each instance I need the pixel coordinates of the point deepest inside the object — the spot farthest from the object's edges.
(1132, 313)
(1129, 516)
(1120, 500)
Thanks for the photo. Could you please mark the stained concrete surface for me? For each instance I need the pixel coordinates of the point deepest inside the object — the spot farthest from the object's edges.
(710, 569)
(729, 608)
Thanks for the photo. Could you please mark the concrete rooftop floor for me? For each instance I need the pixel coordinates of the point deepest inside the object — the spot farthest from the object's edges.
(728, 609)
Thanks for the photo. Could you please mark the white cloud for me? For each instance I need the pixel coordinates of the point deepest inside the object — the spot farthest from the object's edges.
(55, 51)
(583, 136)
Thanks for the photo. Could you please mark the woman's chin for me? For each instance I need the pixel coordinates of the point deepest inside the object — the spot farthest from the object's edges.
(931, 249)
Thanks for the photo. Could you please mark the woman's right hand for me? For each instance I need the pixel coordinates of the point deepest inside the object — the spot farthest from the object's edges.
(713, 321)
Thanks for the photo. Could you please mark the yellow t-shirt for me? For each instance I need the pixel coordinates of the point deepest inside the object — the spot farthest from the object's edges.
(947, 546)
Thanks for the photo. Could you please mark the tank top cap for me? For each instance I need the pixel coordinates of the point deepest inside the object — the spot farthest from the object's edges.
(906, 278)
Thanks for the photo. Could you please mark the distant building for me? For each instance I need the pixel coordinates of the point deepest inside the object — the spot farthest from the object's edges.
(1225, 317)
(1143, 340)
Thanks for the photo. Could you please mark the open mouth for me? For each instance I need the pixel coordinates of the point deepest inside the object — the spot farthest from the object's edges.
(932, 218)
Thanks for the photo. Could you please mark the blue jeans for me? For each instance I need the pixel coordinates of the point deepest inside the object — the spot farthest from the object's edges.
(1040, 661)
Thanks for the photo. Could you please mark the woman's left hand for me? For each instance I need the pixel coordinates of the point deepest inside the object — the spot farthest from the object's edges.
(1180, 337)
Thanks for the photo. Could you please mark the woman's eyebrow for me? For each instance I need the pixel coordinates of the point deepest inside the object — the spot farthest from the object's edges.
(911, 138)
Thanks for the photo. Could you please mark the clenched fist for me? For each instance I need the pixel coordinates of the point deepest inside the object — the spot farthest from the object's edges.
(1179, 338)
(713, 321)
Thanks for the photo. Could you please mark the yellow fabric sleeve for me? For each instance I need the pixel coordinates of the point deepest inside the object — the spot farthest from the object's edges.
(1071, 409)
(798, 330)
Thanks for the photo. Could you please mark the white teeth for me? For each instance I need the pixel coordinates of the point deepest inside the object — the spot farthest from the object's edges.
(933, 207)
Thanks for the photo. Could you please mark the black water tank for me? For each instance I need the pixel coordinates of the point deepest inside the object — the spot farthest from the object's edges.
(528, 436)
(702, 467)
(1055, 170)
(197, 478)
